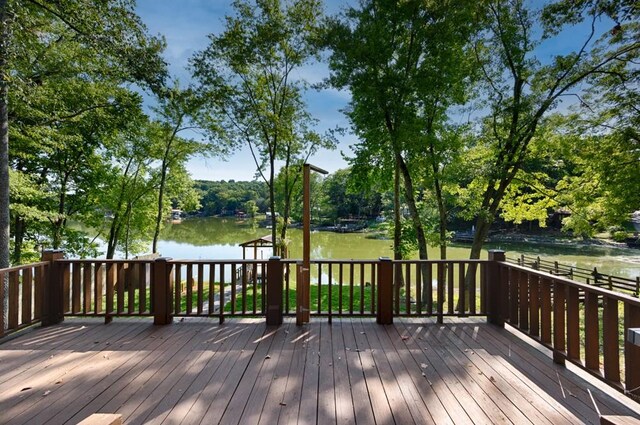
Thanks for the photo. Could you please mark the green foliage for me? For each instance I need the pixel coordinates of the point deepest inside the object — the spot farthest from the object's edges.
(248, 76)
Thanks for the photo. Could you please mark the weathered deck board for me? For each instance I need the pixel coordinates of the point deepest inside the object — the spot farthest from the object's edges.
(353, 371)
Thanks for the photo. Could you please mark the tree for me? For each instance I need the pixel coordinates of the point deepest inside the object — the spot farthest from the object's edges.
(521, 88)
(121, 37)
(404, 64)
(177, 109)
(248, 75)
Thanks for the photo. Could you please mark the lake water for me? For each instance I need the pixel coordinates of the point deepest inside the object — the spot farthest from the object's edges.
(219, 238)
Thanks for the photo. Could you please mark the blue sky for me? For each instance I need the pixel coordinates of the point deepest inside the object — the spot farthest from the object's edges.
(185, 25)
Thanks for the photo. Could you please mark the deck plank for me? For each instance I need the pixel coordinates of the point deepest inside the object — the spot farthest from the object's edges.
(350, 371)
(326, 384)
(433, 377)
(277, 392)
(47, 384)
(309, 394)
(220, 379)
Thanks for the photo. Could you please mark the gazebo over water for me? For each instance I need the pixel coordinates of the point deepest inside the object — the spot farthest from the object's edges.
(261, 242)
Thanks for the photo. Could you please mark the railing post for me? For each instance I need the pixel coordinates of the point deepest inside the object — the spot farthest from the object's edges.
(274, 291)
(495, 290)
(53, 300)
(384, 312)
(162, 292)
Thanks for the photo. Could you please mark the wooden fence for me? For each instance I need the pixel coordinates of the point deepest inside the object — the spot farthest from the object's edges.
(583, 324)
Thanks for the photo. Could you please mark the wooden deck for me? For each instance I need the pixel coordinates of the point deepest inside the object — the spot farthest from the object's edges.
(352, 371)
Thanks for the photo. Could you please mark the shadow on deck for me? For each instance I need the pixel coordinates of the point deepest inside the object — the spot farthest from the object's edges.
(353, 371)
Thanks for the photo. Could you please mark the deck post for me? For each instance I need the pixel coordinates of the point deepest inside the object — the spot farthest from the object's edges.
(53, 299)
(495, 289)
(384, 312)
(162, 292)
(274, 291)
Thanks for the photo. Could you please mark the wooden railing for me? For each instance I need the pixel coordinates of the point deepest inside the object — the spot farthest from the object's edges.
(583, 324)
(25, 297)
(588, 276)
(106, 288)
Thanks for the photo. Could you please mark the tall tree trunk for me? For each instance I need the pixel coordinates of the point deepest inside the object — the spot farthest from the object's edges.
(272, 206)
(156, 231)
(417, 223)
(397, 225)
(18, 238)
(4, 155)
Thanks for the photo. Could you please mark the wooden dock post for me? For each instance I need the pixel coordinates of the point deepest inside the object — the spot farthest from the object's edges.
(274, 291)
(495, 289)
(162, 292)
(384, 312)
(53, 300)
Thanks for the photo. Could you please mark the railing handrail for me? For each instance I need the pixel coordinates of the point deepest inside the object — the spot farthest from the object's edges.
(578, 270)
(24, 267)
(590, 288)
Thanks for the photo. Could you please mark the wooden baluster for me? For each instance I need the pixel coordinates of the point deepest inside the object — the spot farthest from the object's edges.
(462, 299)
(611, 340)
(473, 296)
(87, 274)
(233, 288)
(534, 305)
(373, 288)
(14, 299)
(484, 269)
(200, 296)
(121, 286)
(75, 287)
(573, 323)
(396, 288)
(419, 287)
(361, 288)
(212, 285)
(513, 282)
(27, 295)
(244, 288)
(222, 296)
(545, 310)
(351, 288)
(429, 297)
(254, 282)
(440, 295)
(407, 289)
(329, 292)
(340, 275)
(559, 322)
(39, 279)
(450, 297)
(631, 351)
(287, 275)
(142, 288)
(99, 287)
(177, 308)
(189, 283)
(131, 284)
(66, 287)
(523, 299)
(592, 332)
(111, 271)
(504, 304)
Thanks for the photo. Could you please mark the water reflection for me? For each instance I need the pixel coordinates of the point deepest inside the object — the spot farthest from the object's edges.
(203, 238)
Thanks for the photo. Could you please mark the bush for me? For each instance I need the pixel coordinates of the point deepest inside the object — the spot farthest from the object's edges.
(620, 236)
